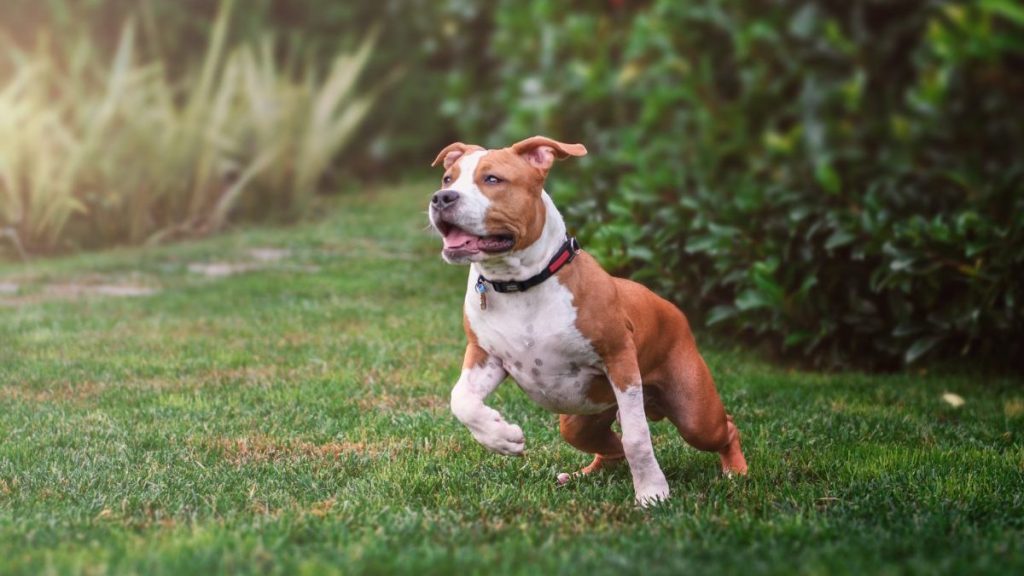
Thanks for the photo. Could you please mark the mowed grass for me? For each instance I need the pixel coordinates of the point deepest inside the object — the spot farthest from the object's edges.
(293, 418)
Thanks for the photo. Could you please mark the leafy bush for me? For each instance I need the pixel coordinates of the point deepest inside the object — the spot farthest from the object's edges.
(842, 179)
(93, 154)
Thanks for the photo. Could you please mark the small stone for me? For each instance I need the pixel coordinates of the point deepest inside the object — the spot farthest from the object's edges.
(269, 254)
(954, 400)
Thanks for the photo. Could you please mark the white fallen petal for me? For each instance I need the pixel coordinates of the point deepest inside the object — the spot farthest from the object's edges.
(954, 400)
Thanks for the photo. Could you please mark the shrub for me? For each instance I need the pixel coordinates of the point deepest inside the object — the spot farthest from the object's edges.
(93, 154)
(844, 180)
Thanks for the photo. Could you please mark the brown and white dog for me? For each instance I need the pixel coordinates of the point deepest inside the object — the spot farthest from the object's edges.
(578, 341)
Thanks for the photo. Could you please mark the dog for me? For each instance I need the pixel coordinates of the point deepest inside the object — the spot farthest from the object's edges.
(579, 342)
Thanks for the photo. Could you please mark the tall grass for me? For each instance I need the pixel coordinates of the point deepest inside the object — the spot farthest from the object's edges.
(95, 153)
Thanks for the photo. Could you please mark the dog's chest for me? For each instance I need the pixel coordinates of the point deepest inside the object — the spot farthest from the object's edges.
(534, 334)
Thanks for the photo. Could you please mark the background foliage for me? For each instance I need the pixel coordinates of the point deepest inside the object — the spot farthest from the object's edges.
(101, 147)
(839, 180)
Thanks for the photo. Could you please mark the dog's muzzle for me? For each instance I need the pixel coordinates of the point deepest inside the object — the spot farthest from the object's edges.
(444, 199)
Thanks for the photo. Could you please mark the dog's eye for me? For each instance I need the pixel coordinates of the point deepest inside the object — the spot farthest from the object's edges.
(447, 179)
(492, 179)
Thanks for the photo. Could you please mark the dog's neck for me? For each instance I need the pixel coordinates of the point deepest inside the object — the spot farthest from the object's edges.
(528, 262)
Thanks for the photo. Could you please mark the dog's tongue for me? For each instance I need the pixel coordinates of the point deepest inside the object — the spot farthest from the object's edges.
(459, 238)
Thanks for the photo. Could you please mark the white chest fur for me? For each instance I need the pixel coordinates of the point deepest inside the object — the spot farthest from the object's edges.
(535, 337)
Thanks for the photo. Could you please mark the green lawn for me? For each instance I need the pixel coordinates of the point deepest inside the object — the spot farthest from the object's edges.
(292, 418)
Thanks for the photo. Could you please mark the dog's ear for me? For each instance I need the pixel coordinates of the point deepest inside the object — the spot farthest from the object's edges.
(541, 151)
(451, 153)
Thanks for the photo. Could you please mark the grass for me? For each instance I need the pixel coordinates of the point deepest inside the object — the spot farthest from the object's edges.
(292, 418)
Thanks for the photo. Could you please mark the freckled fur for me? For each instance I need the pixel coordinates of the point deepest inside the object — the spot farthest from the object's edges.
(539, 361)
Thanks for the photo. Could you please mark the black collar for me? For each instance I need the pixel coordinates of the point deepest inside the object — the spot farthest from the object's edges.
(567, 253)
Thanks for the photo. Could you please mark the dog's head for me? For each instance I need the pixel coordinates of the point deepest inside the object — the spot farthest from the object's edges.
(490, 203)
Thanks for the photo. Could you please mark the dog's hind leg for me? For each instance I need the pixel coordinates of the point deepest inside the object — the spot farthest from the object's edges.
(691, 403)
(592, 434)
(733, 461)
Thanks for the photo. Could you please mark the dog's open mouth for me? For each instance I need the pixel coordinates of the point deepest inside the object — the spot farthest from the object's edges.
(460, 242)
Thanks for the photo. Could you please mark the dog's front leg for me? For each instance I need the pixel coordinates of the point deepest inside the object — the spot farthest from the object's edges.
(476, 383)
(649, 482)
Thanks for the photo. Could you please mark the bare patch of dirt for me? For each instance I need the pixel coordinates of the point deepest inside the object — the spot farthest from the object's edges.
(21, 291)
(320, 509)
(368, 247)
(64, 392)
(269, 254)
(262, 376)
(132, 286)
(259, 376)
(73, 290)
(375, 394)
(394, 403)
(258, 259)
(260, 449)
(221, 269)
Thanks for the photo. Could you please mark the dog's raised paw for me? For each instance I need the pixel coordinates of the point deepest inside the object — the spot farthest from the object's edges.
(502, 437)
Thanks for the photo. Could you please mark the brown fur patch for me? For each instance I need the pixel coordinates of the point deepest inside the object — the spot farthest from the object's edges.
(462, 149)
(559, 150)
(516, 204)
(454, 172)
(475, 355)
(599, 391)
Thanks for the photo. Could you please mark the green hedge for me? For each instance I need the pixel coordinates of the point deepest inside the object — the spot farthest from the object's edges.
(844, 180)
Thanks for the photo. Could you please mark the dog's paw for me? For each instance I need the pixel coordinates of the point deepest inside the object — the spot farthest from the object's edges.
(652, 493)
(501, 437)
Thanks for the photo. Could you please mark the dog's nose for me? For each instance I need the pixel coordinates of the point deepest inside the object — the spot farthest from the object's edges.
(443, 199)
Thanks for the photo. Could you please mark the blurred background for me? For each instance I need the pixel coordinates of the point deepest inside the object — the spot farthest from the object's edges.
(839, 182)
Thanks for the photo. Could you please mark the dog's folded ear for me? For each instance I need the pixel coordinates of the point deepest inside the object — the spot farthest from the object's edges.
(541, 151)
(452, 152)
